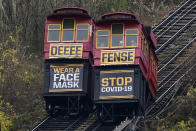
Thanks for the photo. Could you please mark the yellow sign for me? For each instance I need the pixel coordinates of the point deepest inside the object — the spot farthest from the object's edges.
(116, 84)
(116, 57)
(66, 50)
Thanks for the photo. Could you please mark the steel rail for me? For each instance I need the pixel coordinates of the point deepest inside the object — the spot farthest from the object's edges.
(175, 35)
(170, 88)
(183, 66)
(124, 124)
(72, 124)
(180, 79)
(176, 55)
(107, 126)
(170, 78)
(168, 75)
(158, 104)
(87, 123)
(167, 106)
(174, 13)
(168, 102)
(36, 127)
(138, 118)
(157, 107)
(177, 20)
(175, 72)
(171, 94)
(170, 52)
(97, 127)
(135, 124)
(128, 124)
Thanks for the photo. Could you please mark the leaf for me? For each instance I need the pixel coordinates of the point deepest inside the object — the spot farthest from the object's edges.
(113, 10)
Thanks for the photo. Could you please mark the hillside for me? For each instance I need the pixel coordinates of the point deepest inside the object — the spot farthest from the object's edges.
(21, 61)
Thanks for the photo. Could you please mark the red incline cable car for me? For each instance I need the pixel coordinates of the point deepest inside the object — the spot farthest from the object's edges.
(67, 48)
(124, 66)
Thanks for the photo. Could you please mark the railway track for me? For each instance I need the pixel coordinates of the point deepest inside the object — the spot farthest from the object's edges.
(173, 26)
(98, 126)
(65, 123)
(176, 51)
(60, 123)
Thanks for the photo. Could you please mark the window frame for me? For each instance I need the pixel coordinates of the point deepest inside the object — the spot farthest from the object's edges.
(82, 29)
(117, 35)
(54, 29)
(102, 36)
(69, 29)
(131, 35)
(142, 41)
(147, 49)
(123, 35)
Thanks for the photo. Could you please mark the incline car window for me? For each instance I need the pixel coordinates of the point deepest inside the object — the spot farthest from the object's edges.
(102, 39)
(131, 36)
(117, 35)
(82, 32)
(68, 30)
(54, 33)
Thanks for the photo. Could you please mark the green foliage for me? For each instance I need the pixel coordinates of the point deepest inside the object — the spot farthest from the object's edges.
(191, 93)
(21, 85)
(181, 117)
(21, 47)
(5, 122)
(7, 115)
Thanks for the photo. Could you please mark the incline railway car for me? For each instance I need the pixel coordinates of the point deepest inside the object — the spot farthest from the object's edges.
(124, 66)
(67, 48)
